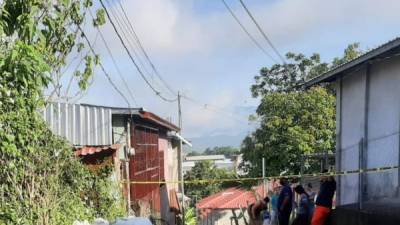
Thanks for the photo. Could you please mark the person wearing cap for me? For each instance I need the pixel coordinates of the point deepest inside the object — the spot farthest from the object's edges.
(324, 200)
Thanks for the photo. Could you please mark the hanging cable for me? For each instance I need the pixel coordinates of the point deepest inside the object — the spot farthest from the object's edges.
(114, 62)
(262, 32)
(131, 57)
(131, 44)
(247, 32)
(216, 109)
(103, 69)
(136, 37)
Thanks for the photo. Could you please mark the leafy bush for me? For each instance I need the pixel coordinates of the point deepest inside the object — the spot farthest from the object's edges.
(42, 182)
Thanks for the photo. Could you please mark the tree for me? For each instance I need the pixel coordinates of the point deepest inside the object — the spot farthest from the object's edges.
(206, 170)
(41, 181)
(227, 151)
(293, 121)
(289, 77)
(292, 124)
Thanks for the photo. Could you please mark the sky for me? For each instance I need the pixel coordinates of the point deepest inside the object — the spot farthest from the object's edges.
(200, 51)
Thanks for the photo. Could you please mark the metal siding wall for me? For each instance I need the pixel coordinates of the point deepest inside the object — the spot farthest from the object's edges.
(81, 125)
(383, 128)
(353, 96)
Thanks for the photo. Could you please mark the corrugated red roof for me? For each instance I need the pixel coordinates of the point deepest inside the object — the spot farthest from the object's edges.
(90, 150)
(231, 198)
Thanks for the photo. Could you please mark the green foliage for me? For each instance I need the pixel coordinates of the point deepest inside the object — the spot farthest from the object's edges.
(292, 124)
(227, 151)
(41, 181)
(100, 18)
(190, 216)
(51, 30)
(105, 195)
(293, 121)
(283, 78)
(352, 51)
(193, 153)
(289, 77)
(205, 170)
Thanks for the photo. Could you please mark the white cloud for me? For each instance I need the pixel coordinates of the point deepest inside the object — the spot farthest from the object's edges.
(196, 50)
(172, 27)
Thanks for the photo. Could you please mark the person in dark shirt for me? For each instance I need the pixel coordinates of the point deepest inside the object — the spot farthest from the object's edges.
(324, 200)
(285, 200)
(303, 207)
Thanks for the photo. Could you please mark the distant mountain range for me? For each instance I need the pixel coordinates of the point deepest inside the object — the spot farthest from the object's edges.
(201, 143)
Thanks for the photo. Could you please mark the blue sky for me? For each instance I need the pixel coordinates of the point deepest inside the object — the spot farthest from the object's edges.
(200, 50)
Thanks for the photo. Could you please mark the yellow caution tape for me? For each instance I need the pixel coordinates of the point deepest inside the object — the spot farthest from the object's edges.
(210, 181)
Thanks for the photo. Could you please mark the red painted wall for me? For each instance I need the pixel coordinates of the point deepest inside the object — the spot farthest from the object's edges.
(146, 165)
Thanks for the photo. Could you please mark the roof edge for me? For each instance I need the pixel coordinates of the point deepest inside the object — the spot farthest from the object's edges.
(333, 73)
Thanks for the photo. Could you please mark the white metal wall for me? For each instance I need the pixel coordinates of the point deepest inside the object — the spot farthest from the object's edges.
(383, 128)
(80, 124)
(383, 122)
(352, 130)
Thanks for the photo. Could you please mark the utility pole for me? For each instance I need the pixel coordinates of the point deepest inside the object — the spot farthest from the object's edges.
(180, 160)
(127, 161)
(263, 176)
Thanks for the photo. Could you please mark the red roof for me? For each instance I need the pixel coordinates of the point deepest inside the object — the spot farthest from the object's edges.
(231, 198)
(90, 150)
(158, 120)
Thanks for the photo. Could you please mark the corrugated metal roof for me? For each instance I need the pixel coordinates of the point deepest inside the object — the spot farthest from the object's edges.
(370, 55)
(204, 157)
(80, 124)
(91, 125)
(90, 150)
(231, 198)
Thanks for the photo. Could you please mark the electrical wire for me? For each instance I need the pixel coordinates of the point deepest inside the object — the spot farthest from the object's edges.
(131, 57)
(136, 37)
(103, 69)
(247, 32)
(216, 109)
(262, 32)
(119, 22)
(114, 62)
(127, 33)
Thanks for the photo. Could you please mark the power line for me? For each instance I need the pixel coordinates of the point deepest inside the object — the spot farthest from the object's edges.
(247, 32)
(119, 22)
(143, 50)
(262, 32)
(103, 69)
(215, 109)
(114, 61)
(131, 57)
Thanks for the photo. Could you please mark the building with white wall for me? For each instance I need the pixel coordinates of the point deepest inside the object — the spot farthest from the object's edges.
(368, 123)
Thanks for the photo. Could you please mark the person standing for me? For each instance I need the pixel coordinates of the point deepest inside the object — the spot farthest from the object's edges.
(303, 207)
(324, 200)
(311, 196)
(284, 202)
(274, 207)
